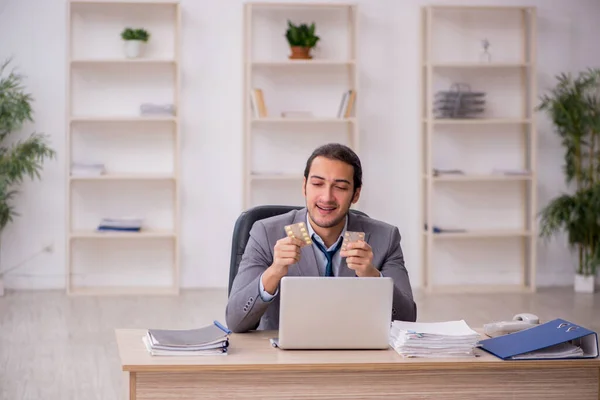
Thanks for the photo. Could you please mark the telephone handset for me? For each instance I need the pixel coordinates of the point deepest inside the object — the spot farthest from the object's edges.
(518, 323)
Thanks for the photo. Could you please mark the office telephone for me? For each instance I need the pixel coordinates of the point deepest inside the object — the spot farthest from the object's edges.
(519, 322)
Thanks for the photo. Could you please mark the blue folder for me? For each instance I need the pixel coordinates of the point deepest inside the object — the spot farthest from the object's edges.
(543, 340)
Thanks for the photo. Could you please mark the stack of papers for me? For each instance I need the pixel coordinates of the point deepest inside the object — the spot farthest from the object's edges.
(433, 339)
(209, 340)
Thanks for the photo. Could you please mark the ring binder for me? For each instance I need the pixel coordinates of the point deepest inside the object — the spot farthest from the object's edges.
(556, 339)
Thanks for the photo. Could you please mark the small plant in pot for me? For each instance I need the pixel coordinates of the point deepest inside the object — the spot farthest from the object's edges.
(301, 39)
(573, 106)
(135, 41)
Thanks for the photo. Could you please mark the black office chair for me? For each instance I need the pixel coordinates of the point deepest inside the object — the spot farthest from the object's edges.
(241, 231)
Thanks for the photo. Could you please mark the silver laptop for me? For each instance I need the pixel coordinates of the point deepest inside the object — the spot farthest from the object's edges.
(334, 313)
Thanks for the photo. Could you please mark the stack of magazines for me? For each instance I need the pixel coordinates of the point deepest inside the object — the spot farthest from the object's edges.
(433, 339)
(209, 340)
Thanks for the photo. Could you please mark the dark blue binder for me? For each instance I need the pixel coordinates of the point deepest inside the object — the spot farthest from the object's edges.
(540, 338)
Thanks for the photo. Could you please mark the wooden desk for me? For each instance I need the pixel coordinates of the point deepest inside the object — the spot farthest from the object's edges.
(255, 370)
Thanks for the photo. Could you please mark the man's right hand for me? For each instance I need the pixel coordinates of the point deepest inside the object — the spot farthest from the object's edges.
(285, 253)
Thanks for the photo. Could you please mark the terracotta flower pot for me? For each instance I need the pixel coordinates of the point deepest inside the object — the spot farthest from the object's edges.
(300, 53)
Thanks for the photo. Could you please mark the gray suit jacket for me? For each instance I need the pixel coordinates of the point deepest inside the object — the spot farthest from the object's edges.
(247, 311)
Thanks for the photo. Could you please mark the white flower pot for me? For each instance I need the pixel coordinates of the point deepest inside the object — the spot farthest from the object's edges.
(584, 284)
(134, 48)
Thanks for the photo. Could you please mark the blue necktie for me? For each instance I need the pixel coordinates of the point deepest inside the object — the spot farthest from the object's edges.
(328, 254)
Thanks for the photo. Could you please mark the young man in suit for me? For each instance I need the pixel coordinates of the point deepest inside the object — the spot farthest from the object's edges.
(332, 183)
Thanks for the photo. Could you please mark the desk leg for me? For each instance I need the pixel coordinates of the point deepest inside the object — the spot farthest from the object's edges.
(132, 385)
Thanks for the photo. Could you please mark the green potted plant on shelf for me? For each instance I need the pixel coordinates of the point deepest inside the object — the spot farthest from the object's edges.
(22, 158)
(573, 105)
(135, 41)
(301, 39)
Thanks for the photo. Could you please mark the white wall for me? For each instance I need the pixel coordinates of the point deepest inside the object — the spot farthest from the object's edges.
(33, 32)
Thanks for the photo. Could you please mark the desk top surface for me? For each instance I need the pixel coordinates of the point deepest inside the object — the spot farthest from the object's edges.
(253, 351)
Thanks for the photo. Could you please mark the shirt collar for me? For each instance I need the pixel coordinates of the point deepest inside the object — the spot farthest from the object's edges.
(312, 233)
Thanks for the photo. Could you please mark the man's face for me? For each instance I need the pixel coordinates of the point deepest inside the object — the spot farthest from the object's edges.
(329, 191)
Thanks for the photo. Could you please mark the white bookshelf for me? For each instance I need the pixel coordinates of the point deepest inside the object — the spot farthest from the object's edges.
(276, 147)
(140, 152)
(487, 241)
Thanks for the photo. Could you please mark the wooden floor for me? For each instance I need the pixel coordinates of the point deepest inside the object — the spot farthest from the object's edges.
(55, 347)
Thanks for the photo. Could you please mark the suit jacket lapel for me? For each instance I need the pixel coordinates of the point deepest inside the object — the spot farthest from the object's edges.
(308, 259)
(353, 226)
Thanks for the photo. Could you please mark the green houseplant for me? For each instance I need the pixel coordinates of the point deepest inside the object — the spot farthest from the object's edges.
(301, 39)
(573, 106)
(23, 158)
(135, 40)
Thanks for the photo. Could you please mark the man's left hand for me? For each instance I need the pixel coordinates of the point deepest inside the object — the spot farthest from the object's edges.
(359, 257)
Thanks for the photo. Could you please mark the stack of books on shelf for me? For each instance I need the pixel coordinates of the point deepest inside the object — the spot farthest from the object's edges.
(297, 114)
(499, 171)
(209, 340)
(157, 109)
(434, 339)
(347, 104)
(438, 229)
(257, 101)
(121, 224)
(87, 169)
(438, 172)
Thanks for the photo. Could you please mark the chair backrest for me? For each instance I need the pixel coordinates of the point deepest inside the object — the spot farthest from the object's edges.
(241, 231)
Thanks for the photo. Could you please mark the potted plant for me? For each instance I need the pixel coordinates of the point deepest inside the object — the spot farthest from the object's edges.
(573, 105)
(135, 40)
(22, 158)
(301, 39)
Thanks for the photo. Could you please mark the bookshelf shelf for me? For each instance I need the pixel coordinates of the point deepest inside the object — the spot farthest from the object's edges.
(123, 139)
(292, 106)
(143, 119)
(303, 120)
(276, 177)
(480, 234)
(479, 178)
(102, 62)
(477, 65)
(126, 2)
(478, 121)
(303, 63)
(124, 177)
(146, 234)
(124, 290)
(298, 5)
(480, 289)
(500, 208)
